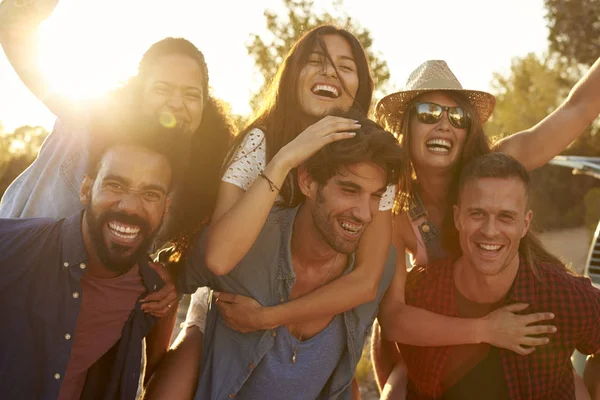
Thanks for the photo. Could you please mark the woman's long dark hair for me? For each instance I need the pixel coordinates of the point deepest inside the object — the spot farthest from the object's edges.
(195, 197)
(476, 144)
(279, 116)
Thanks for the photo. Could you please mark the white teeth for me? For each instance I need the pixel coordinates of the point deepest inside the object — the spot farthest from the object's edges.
(326, 88)
(124, 231)
(490, 247)
(350, 228)
(441, 145)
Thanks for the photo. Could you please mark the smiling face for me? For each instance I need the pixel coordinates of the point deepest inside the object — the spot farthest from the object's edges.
(344, 206)
(125, 205)
(437, 145)
(491, 218)
(320, 88)
(173, 91)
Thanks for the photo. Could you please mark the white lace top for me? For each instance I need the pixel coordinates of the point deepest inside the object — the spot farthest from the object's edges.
(250, 159)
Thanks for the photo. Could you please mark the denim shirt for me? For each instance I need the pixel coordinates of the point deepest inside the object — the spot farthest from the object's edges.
(42, 262)
(267, 275)
(49, 187)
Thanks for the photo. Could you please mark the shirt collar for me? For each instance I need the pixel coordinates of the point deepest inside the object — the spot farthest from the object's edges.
(73, 249)
(74, 253)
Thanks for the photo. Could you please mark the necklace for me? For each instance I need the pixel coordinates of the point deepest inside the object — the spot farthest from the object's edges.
(299, 339)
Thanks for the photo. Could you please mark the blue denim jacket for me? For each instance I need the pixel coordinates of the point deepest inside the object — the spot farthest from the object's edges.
(41, 263)
(266, 274)
(49, 187)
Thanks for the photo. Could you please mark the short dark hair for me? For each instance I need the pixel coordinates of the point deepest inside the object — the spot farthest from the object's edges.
(372, 143)
(494, 165)
(503, 166)
(116, 129)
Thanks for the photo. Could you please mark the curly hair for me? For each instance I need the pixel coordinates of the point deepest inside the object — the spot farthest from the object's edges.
(195, 197)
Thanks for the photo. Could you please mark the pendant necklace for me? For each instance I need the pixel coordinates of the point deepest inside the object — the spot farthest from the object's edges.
(299, 339)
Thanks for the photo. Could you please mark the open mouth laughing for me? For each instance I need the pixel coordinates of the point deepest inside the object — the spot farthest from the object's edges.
(439, 146)
(351, 229)
(123, 233)
(325, 90)
(489, 250)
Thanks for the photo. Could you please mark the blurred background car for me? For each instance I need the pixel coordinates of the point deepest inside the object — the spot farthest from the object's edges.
(585, 166)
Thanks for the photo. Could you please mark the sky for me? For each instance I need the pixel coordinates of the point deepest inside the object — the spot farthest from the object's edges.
(88, 46)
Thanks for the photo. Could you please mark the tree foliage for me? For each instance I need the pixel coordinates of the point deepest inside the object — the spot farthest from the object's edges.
(18, 149)
(269, 51)
(574, 28)
(534, 88)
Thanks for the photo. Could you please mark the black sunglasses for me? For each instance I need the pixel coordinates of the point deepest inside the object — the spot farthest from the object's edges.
(431, 113)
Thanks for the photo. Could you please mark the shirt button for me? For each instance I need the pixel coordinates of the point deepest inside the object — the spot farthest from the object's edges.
(281, 299)
(75, 295)
(66, 264)
(231, 395)
(68, 337)
(251, 366)
(273, 333)
(57, 376)
(425, 228)
(82, 265)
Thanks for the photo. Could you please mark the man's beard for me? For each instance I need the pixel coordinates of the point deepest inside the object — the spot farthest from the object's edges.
(114, 258)
(324, 225)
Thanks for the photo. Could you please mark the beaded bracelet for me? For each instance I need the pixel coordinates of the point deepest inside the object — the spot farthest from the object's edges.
(272, 186)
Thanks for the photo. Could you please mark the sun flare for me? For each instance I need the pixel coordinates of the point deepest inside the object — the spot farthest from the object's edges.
(82, 62)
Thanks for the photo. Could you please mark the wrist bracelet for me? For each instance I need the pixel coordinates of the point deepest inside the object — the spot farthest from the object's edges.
(272, 186)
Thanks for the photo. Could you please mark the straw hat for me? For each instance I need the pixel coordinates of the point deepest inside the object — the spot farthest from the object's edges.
(431, 76)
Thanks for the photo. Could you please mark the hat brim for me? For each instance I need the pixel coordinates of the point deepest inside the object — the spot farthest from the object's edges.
(392, 107)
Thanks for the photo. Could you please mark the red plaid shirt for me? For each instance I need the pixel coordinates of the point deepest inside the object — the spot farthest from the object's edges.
(544, 374)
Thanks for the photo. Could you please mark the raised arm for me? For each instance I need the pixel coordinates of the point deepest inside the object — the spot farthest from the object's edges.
(239, 216)
(19, 38)
(534, 147)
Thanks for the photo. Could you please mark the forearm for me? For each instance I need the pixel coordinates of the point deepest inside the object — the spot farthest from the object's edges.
(591, 376)
(22, 51)
(419, 327)
(340, 295)
(536, 146)
(586, 93)
(233, 234)
(348, 291)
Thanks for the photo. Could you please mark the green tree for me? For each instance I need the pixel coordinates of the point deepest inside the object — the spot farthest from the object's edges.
(574, 28)
(533, 89)
(269, 51)
(18, 149)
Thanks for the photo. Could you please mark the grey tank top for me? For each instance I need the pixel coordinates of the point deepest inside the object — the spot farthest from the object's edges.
(277, 377)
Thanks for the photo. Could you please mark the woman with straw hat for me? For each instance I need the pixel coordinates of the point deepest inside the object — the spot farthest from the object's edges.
(440, 126)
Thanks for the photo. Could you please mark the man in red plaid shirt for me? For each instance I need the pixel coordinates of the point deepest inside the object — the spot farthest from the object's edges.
(502, 263)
